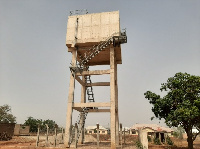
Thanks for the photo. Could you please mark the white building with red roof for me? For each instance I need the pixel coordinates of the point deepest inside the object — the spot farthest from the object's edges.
(151, 129)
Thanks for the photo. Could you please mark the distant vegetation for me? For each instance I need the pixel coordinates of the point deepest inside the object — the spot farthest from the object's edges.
(181, 104)
(178, 133)
(6, 115)
(33, 123)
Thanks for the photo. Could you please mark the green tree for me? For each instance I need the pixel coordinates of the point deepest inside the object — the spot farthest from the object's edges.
(33, 123)
(181, 104)
(51, 124)
(179, 132)
(5, 114)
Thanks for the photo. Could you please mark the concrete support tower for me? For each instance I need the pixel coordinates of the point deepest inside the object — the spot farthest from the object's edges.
(93, 39)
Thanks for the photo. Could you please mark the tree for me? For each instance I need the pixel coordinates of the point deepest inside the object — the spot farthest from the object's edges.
(51, 124)
(33, 123)
(179, 132)
(5, 114)
(181, 104)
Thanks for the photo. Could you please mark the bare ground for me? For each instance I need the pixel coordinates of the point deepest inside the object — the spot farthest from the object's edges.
(29, 142)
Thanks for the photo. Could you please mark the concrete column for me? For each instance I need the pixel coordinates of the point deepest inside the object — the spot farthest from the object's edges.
(70, 103)
(113, 99)
(83, 100)
(116, 102)
(159, 137)
(165, 137)
(142, 134)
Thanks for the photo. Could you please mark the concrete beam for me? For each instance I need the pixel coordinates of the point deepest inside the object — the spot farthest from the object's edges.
(79, 80)
(92, 104)
(99, 110)
(77, 109)
(92, 110)
(93, 72)
(99, 84)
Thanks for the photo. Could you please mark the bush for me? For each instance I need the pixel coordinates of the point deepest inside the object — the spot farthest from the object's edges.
(169, 141)
(149, 138)
(178, 133)
(157, 141)
(138, 144)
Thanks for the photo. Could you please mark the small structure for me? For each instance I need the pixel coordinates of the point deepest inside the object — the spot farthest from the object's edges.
(93, 130)
(21, 130)
(153, 131)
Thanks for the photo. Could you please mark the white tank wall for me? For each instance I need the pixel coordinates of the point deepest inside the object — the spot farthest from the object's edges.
(94, 27)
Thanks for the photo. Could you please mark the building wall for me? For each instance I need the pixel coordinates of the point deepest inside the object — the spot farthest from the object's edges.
(8, 128)
(21, 130)
(100, 132)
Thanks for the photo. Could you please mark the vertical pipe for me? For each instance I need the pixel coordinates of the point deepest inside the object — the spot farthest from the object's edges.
(117, 110)
(82, 115)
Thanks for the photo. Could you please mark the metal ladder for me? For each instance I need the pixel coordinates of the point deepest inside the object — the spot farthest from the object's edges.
(96, 49)
(84, 112)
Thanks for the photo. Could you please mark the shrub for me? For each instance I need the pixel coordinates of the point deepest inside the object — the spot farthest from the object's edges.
(138, 144)
(157, 141)
(149, 138)
(169, 141)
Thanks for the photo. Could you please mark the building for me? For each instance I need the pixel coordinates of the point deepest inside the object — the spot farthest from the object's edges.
(93, 130)
(21, 130)
(126, 130)
(151, 129)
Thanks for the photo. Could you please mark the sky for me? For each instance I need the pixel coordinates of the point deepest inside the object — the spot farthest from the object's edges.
(163, 39)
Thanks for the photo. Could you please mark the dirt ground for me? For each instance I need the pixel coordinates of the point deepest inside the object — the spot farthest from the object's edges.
(29, 142)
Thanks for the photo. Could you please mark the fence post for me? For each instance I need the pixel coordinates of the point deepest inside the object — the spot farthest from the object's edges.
(121, 134)
(62, 137)
(124, 135)
(47, 135)
(38, 136)
(97, 135)
(55, 137)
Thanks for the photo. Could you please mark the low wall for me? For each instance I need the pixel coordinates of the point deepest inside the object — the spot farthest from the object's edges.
(7, 128)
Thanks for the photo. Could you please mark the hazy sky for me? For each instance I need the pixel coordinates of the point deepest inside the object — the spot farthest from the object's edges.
(163, 38)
